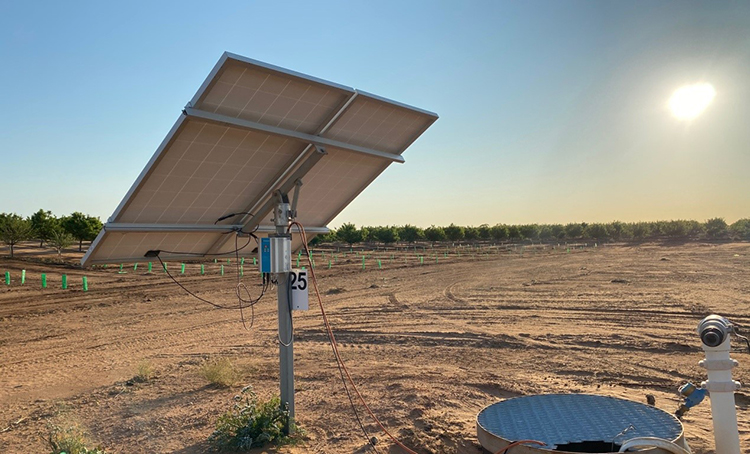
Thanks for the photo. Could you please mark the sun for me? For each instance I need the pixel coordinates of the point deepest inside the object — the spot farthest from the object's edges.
(691, 100)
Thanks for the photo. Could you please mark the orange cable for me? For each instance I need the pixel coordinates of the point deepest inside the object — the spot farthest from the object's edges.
(517, 443)
(334, 344)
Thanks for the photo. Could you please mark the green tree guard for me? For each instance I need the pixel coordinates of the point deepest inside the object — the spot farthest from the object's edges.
(255, 262)
(23, 277)
(242, 271)
(121, 271)
(203, 269)
(135, 266)
(44, 280)
(7, 278)
(242, 260)
(64, 281)
(380, 265)
(329, 264)
(222, 270)
(229, 261)
(421, 260)
(182, 268)
(298, 261)
(164, 265)
(150, 266)
(85, 284)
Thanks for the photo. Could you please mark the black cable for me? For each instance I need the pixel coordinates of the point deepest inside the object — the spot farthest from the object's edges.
(235, 251)
(230, 215)
(241, 285)
(289, 306)
(218, 306)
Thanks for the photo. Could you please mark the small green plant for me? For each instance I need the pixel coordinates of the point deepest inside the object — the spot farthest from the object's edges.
(144, 372)
(252, 423)
(219, 372)
(69, 440)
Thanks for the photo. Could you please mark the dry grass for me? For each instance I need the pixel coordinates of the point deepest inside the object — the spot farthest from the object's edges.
(144, 372)
(220, 372)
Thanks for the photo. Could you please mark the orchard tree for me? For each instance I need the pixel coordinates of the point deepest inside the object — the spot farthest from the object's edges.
(410, 233)
(348, 233)
(717, 228)
(641, 230)
(528, 231)
(471, 233)
(674, 229)
(499, 232)
(43, 223)
(597, 231)
(514, 233)
(387, 234)
(82, 227)
(454, 232)
(484, 231)
(574, 230)
(59, 239)
(434, 234)
(13, 230)
(741, 229)
(320, 238)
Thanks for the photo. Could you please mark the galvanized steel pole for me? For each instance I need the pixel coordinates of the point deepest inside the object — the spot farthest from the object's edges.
(286, 335)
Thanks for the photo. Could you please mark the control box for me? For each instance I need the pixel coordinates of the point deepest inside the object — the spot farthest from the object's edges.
(275, 255)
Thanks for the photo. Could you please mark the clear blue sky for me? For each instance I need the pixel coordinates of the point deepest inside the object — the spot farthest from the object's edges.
(551, 111)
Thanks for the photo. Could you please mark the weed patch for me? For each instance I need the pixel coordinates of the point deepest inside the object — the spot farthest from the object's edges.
(220, 372)
(70, 440)
(252, 423)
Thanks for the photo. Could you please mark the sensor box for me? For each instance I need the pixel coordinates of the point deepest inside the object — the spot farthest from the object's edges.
(275, 255)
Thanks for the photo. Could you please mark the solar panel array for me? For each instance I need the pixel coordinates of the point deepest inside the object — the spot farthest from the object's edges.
(251, 129)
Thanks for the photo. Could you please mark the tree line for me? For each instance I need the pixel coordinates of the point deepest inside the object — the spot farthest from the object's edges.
(58, 232)
(715, 228)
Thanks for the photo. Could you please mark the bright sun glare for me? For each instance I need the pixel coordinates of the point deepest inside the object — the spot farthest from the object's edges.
(689, 101)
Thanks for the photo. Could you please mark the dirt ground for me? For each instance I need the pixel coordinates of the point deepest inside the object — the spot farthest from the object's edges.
(429, 345)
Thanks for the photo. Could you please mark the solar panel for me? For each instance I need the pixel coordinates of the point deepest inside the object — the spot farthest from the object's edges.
(250, 130)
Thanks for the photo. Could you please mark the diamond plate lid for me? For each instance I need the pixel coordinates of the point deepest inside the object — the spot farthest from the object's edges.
(562, 419)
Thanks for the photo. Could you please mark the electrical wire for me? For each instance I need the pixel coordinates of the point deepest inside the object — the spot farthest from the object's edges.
(518, 443)
(242, 303)
(241, 286)
(235, 251)
(334, 345)
(231, 215)
(370, 441)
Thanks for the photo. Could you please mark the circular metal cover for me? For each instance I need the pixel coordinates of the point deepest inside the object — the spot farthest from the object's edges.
(562, 419)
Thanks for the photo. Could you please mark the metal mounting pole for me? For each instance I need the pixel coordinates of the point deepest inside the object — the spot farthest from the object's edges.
(286, 336)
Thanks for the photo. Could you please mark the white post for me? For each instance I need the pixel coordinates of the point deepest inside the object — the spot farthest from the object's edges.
(720, 385)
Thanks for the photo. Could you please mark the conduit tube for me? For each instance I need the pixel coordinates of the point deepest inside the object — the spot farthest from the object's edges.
(715, 333)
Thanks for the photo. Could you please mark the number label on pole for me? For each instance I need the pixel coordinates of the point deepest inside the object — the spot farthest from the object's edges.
(298, 284)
